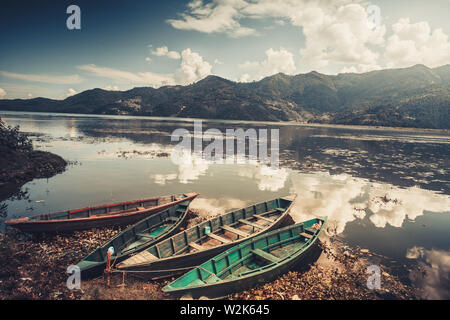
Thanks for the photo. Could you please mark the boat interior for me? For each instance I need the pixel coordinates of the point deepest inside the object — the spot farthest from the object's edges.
(142, 232)
(253, 257)
(220, 230)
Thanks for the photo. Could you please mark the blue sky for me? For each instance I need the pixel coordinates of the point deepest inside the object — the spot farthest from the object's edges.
(123, 44)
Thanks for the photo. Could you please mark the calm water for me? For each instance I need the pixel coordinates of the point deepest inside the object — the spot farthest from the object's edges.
(387, 191)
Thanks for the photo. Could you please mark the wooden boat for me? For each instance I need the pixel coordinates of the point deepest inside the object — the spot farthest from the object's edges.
(115, 214)
(135, 238)
(251, 263)
(199, 243)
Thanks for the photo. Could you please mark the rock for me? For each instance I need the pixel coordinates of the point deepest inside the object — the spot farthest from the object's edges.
(186, 297)
(295, 297)
(364, 251)
(386, 274)
(203, 298)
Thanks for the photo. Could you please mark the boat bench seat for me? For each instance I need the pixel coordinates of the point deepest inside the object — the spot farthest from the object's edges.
(172, 219)
(251, 224)
(311, 230)
(196, 246)
(143, 235)
(265, 256)
(235, 231)
(280, 209)
(263, 218)
(306, 235)
(218, 238)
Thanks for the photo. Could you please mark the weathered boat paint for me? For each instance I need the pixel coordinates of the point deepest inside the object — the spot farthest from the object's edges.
(136, 238)
(116, 214)
(178, 253)
(253, 262)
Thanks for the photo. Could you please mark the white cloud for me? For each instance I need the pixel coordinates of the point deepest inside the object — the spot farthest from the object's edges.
(140, 78)
(216, 16)
(148, 59)
(192, 67)
(70, 92)
(276, 61)
(111, 88)
(164, 51)
(2, 93)
(29, 95)
(217, 61)
(72, 79)
(414, 43)
(244, 78)
(335, 31)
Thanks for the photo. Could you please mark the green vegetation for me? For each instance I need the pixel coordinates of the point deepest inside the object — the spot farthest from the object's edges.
(19, 163)
(12, 139)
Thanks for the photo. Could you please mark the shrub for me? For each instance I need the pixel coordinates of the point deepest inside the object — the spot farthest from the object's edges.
(12, 138)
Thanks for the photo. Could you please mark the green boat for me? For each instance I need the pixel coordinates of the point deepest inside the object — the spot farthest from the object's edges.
(137, 237)
(195, 245)
(253, 262)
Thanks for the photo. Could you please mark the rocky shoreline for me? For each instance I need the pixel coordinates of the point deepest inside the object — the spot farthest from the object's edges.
(35, 268)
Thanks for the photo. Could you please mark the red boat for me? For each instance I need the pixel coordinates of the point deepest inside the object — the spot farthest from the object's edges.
(115, 214)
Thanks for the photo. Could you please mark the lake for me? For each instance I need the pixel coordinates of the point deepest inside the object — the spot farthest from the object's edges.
(385, 190)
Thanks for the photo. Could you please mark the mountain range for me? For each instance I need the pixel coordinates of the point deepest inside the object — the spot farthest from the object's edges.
(417, 96)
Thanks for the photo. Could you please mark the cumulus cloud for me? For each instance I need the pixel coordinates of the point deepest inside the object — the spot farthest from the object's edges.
(335, 31)
(70, 92)
(192, 67)
(276, 61)
(414, 43)
(216, 16)
(111, 88)
(140, 78)
(2, 93)
(45, 78)
(164, 51)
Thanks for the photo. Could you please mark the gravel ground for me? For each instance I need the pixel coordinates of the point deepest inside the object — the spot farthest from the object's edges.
(35, 268)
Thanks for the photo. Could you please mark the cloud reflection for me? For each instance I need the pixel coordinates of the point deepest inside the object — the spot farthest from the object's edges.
(433, 276)
(344, 198)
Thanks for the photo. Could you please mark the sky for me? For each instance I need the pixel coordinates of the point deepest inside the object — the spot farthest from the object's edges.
(126, 44)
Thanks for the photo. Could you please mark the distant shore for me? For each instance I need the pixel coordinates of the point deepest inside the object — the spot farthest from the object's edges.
(273, 123)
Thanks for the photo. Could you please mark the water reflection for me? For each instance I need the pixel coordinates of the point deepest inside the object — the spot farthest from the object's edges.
(433, 275)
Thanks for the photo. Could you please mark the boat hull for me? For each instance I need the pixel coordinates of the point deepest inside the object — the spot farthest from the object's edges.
(90, 267)
(224, 289)
(252, 263)
(69, 225)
